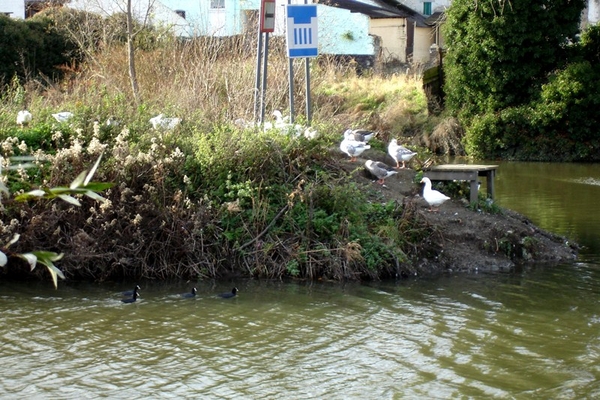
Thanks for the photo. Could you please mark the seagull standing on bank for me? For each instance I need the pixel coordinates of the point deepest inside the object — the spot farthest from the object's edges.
(380, 170)
(160, 122)
(400, 153)
(63, 116)
(359, 135)
(24, 117)
(433, 197)
(353, 148)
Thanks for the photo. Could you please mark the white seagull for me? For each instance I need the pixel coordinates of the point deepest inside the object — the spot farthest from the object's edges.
(400, 153)
(433, 197)
(353, 148)
(166, 124)
(380, 170)
(24, 117)
(63, 116)
(360, 135)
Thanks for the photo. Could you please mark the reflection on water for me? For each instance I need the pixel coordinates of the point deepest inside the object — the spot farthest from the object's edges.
(561, 198)
(534, 334)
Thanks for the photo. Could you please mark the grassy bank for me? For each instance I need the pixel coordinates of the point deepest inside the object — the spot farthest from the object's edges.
(209, 199)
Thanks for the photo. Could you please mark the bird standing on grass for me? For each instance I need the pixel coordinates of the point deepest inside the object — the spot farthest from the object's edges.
(24, 117)
(359, 135)
(433, 197)
(63, 116)
(160, 122)
(380, 170)
(400, 153)
(353, 148)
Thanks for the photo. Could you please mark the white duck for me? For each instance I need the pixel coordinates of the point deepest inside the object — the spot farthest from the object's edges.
(380, 170)
(400, 153)
(310, 133)
(160, 122)
(353, 148)
(24, 117)
(63, 116)
(360, 135)
(279, 118)
(284, 126)
(433, 197)
(111, 121)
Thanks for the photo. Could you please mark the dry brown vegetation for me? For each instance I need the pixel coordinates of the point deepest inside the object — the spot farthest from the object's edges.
(207, 199)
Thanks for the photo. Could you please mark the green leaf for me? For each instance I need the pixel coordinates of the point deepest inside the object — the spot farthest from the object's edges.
(69, 199)
(98, 186)
(14, 239)
(55, 272)
(48, 258)
(32, 193)
(78, 181)
(30, 258)
(94, 196)
(4, 189)
(90, 174)
(20, 166)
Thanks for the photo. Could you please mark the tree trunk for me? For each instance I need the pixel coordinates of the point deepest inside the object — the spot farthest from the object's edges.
(131, 55)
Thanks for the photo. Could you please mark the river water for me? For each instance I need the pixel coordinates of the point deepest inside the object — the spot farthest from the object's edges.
(533, 333)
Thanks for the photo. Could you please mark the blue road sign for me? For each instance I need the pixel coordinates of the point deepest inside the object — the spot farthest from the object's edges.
(302, 30)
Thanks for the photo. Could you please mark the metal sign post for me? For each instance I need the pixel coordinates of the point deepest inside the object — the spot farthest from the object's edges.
(266, 25)
(302, 42)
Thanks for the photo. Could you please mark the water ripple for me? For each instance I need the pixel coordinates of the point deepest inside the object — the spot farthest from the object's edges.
(470, 338)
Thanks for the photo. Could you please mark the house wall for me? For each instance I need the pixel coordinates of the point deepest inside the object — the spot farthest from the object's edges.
(14, 8)
(417, 5)
(593, 12)
(343, 33)
(392, 32)
(143, 10)
(423, 40)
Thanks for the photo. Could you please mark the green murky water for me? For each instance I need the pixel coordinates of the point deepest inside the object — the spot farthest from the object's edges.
(528, 334)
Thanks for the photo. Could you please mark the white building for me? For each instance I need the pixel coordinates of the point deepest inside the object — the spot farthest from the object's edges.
(13, 8)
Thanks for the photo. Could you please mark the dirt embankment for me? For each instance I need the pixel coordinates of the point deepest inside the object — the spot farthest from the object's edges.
(463, 238)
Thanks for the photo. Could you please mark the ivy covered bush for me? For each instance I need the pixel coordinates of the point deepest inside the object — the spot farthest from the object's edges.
(521, 89)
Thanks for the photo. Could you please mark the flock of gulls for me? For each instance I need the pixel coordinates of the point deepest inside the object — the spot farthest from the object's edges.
(159, 123)
(131, 296)
(356, 141)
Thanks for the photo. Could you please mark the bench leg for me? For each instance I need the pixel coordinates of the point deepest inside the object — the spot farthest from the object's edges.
(474, 191)
(490, 184)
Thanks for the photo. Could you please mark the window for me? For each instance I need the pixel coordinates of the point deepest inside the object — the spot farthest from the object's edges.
(214, 4)
(427, 8)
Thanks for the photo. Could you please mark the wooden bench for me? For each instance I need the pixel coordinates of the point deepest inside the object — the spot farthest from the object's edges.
(464, 172)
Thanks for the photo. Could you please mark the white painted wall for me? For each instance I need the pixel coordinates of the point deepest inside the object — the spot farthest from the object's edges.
(423, 41)
(593, 15)
(392, 32)
(15, 8)
(343, 32)
(417, 5)
(152, 11)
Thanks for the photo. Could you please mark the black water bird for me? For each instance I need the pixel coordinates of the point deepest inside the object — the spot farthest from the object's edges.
(229, 295)
(129, 293)
(191, 294)
(134, 296)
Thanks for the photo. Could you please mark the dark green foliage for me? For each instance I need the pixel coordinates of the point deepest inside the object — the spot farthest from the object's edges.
(560, 125)
(499, 53)
(521, 84)
(31, 48)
